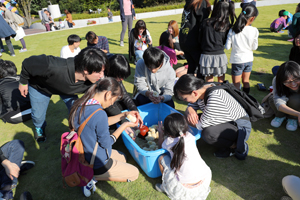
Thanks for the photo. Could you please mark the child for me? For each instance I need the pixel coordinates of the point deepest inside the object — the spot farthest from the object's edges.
(185, 175)
(109, 15)
(174, 31)
(110, 164)
(213, 34)
(294, 27)
(280, 23)
(142, 39)
(71, 50)
(61, 24)
(166, 45)
(100, 42)
(243, 38)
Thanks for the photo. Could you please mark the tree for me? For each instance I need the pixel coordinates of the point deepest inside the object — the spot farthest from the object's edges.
(24, 6)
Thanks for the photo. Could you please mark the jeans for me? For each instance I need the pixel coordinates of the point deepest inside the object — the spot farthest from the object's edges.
(110, 20)
(39, 104)
(70, 24)
(141, 100)
(13, 151)
(139, 54)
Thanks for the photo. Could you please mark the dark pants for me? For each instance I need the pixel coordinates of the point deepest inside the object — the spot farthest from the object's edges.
(279, 28)
(70, 24)
(292, 103)
(141, 100)
(13, 151)
(9, 45)
(193, 62)
(1, 44)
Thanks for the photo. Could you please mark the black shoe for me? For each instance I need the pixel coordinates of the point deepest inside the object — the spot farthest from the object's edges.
(26, 196)
(224, 153)
(39, 134)
(26, 165)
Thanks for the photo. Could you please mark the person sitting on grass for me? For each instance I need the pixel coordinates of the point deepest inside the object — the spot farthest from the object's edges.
(185, 175)
(280, 23)
(110, 164)
(286, 97)
(100, 42)
(154, 78)
(11, 155)
(72, 49)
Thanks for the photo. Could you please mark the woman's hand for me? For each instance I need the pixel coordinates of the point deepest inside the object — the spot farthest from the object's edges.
(192, 116)
(136, 114)
(23, 90)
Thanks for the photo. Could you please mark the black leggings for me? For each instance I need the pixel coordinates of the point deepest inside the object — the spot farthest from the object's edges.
(222, 135)
(9, 45)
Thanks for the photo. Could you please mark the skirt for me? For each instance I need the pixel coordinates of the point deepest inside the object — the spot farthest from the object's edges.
(215, 65)
(5, 30)
(176, 191)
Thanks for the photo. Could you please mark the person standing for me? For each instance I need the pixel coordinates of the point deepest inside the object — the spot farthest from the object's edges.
(12, 22)
(69, 18)
(46, 20)
(7, 32)
(247, 2)
(109, 15)
(126, 13)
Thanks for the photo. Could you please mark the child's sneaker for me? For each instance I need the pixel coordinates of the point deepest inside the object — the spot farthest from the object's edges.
(158, 187)
(122, 44)
(87, 189)
(291, 125)
(22, 50)
(276, 122)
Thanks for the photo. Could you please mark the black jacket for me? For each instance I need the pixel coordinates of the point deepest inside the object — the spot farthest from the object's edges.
(295, 54)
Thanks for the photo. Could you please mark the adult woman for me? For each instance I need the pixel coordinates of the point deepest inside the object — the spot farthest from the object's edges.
(195, 11)
(7, 32)
(174, 31)
(286, 96)
(109, 165)
(10, 19)
(126, 13)
(224, 121)
(69, 18)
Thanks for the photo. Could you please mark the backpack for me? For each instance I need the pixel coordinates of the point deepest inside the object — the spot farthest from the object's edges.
(249, 103)
(76, 171)
(18, 19)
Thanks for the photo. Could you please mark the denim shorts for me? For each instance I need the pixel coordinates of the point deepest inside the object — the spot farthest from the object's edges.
(238, 69)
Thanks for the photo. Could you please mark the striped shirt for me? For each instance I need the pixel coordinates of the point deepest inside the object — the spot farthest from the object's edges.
(221, 107)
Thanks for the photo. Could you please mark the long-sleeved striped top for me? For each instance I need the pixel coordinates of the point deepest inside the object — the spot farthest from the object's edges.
(221, 107)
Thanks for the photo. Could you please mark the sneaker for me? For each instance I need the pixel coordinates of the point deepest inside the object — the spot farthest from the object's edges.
(280, 31)
(2, 50)
(122, 44)
(26, 165)
(158, 187)
(39, 134)
(13, 55)
(87, 189)
(291, 40)
(22, 50)
(276, 122)
(26, 196)
(224, 153)
(291, 125)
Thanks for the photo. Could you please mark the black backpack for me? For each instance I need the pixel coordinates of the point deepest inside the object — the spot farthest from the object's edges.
(249, 103)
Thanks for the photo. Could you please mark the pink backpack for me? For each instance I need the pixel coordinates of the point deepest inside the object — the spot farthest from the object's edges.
(76, 171)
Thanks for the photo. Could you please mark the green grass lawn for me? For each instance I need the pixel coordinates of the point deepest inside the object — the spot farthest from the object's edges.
(274, 153)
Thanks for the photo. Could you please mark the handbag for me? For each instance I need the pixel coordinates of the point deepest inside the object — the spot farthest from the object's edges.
(19, 34)
(18, 19)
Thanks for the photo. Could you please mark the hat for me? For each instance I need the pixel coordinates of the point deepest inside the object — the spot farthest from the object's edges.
(285, 13)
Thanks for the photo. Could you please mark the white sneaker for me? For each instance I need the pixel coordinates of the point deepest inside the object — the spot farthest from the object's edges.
(291, 125)
(276, 122)
(87, 189)
(122, 44)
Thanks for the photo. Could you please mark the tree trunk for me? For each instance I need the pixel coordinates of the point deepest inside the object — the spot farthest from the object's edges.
(24, 6)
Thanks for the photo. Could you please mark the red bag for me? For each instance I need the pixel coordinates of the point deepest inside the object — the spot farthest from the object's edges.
(76, 171)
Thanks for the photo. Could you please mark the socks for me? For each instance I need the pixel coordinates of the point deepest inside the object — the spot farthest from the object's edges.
(247, 90)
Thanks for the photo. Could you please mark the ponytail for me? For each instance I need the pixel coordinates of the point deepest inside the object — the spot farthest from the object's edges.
(248, 12)
(106, 84)
(175, 126)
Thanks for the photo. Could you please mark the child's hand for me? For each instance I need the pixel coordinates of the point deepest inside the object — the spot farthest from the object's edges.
(160, 128)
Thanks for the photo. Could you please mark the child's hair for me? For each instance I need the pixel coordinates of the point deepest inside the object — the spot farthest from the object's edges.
(286, 70)
(196, 4)
(105, 84)
(2, 5)
(175, 125)
(90, 60)
(281, 13)
(223, 15)
(248, 12)
(7, 68)
(73, 38)
(139, 25)
(91, 37)
(118, 67)
(166, 40)
(59, 20)
(296, 35)
(186, 84)
(175, 28)
(153, 57)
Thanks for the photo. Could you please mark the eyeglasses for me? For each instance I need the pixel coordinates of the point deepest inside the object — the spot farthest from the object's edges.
(296, 80)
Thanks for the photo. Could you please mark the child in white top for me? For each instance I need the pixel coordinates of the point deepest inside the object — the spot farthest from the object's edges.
(142, 39)
(243, 38)
(184, 175)
(72, 49)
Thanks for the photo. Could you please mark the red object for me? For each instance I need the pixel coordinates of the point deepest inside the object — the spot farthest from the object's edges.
(144, 130)
(271, 88)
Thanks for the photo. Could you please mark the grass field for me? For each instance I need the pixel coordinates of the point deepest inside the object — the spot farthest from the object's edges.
(274, 153)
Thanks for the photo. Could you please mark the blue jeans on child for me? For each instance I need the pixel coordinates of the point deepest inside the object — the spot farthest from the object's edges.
(13, 151)
(139, 54)
(39, 103)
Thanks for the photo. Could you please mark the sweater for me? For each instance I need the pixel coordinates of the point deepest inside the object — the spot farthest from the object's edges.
(277, 22)
(212, 42)
(96, 130)
(171, 53)
(162, 81)
(242, 44)
(52, 75)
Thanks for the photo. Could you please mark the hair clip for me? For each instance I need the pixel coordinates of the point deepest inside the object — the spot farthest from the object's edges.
(181, 133)
(244, 12)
